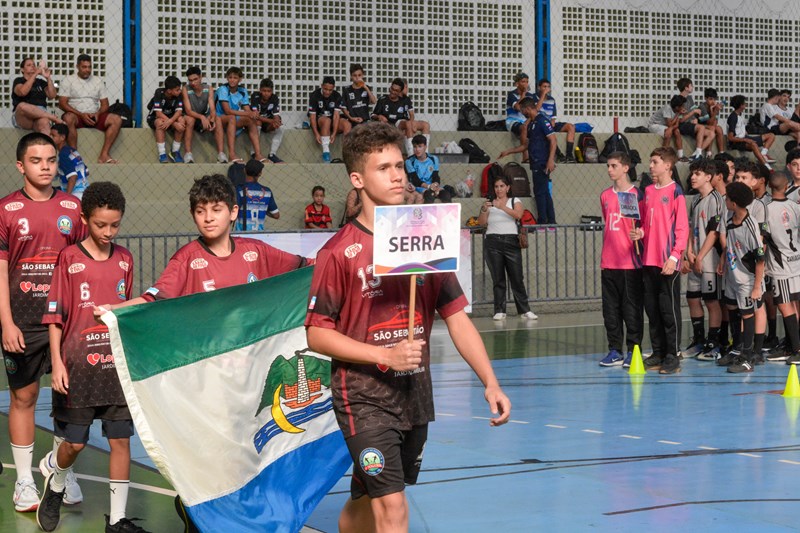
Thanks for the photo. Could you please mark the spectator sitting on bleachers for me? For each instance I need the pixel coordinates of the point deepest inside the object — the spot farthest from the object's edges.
(665, 122)
(709, 117)
(774, 117)
(547, 107)
(317, 214)
(256, 202)
(397, 110)
(358, 97)
(422, 127)
(29, 94)
(422, 170)
(514, 117)
(166, 113)
(686, 88)
(199, 111)
(324, 113)
(84, 100)
(233, 112)
(690, 126)
(267, 108)
(738, 139)
(72, 171)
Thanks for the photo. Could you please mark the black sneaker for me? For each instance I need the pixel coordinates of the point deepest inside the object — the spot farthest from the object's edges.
(728, 358)
(770, 343)
(793, 359)
(778, 356)
(758, 359)
(124, 525)
(671, 365)
(694, 349)
(653, 362)
(188, 525)
(570, 159)
(741, 365)
(49, 512)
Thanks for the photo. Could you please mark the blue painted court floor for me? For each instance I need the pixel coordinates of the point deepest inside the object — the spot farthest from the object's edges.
(587, 447)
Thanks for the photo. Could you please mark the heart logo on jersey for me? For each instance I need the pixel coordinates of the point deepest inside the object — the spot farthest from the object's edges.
(383, 368)
(25, 286)
(93, 358)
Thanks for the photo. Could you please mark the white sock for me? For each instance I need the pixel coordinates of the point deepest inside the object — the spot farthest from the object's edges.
(162, 148)
(277, 138)
(59, 480)
(680, 153)
(427, 138)
(326, 144)
(764, 151)
(697, 152)
(709, 154)
(23, 459)
(409, 146)
(118, 492)
(56, 443)
(176, 146)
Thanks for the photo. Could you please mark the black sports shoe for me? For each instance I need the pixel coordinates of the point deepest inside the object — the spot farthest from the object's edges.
(728, 358)
(188, 525)
(793, 359)
(49, 512)
(770, 344)
(124, 525)
(671, 365)
(653, 362)
(741, 365)
(778, 356)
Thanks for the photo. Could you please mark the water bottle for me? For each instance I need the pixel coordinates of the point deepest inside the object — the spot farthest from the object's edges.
(578, 154)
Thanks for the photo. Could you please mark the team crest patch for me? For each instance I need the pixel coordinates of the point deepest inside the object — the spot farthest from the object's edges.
(64, 224)
(121, 289)
(251, 278)
(11, 366)
(371, 461)
(664, 200)
(67, 204)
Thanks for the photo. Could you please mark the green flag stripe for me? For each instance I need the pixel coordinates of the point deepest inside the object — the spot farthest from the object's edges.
(168, 334)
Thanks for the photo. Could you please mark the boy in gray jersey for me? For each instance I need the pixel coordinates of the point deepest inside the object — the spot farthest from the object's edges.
(702, 259)
(199, 111)
(793, 171)
(783, 262)
(744, 274)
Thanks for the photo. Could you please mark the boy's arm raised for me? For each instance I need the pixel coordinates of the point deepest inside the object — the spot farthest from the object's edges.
(470, 345)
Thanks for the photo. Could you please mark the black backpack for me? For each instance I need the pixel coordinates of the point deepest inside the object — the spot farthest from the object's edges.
(616, 143)
(470, 118)
(475, 153)
(755, 126)
(520, 184)
(588, 146)
(124, 111)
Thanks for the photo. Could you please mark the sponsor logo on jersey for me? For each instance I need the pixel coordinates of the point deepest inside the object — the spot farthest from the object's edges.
(251, 278)
(121, 289)
(353, 250)
(14, 206)
(199, 264)
(27, 286)
(76, 267)
(68, 204)
(64, 224)
(124, 266)
(94, 358)
(250, 257)
(371, 461)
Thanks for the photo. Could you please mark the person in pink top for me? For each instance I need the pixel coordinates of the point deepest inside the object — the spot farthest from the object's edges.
(620, 264)
(664, 234)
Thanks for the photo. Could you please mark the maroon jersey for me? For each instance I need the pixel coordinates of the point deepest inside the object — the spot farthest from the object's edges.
(80, 283)
(31, 236)
(346, 297)
(194, 268)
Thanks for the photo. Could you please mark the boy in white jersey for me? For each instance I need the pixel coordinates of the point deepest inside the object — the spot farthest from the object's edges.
(783, 263)
(664, 233)
(793, 171)
(620, 264)
(702, 259)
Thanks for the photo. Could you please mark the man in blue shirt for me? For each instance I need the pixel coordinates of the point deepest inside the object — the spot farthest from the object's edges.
(538, 140)
(422, 169)
(72, 170)
(256, 202)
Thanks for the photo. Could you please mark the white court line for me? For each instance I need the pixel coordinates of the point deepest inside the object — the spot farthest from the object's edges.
(445, 414)
(481, 418)
(749, 455)
(592, 431)
(788, 462)
(555, 426)
(707, 448)
(518, 422)
(630, 437)
(670, 442)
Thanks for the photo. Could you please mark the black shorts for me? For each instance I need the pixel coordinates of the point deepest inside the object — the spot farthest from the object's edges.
(385, 460)
(687, 128)
(28, 367)
(516, 128)
(742, 147)
(776, 129)
(72, 424)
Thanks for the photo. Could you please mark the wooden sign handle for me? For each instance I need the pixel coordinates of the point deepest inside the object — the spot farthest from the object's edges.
(411, 305)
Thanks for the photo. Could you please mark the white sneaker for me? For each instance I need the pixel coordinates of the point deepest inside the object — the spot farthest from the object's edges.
(499, 316)
(221, 158)
(530, 315)
(73, 494)
(188, 157)
(26, 496)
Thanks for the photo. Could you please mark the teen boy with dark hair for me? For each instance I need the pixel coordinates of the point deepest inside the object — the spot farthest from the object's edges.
(547, 106)
(621, 267)
(382, 390)
(423, 172)
(166, 112)
(324, 110)
(664, 233)
(793, 171)
(514, 117)
(36, 223)
(199, 111)
(396, 108)
(708, 117)
(738, 139)
(266, 108)
(72, 171)
(92, 271)
(357, 97)
(233, 112)
(256, 201)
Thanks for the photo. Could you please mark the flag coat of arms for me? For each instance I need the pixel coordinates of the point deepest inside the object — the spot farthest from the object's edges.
(230, 404)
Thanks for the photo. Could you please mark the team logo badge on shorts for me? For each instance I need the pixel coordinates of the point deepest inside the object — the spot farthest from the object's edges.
(11, 365)
(371, 461)
(64, 224)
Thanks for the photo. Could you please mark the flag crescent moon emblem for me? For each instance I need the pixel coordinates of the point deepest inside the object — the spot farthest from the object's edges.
(279, 417)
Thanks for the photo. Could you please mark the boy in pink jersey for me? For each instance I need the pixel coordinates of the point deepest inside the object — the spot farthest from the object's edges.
(620, 264)
(380, 380)
(664, 233)
(85, 382)
(36, 223)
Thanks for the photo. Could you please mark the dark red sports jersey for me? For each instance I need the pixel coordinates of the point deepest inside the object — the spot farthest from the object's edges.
(345, 296)
(80, 283)
(31, 236)
(194, 268)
